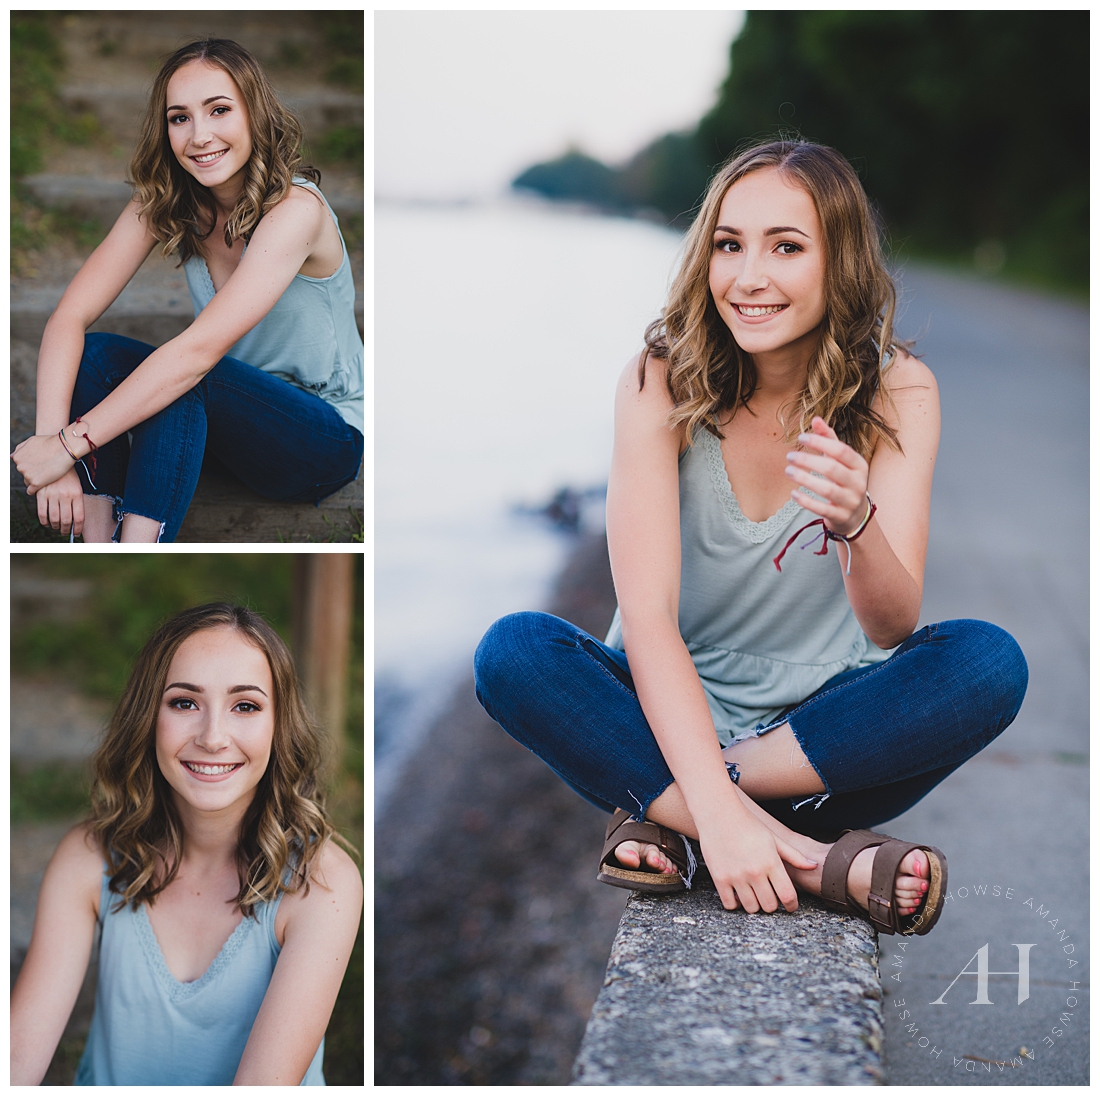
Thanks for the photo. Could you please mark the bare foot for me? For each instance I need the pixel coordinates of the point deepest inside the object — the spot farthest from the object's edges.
(910, 884)
(631, 853)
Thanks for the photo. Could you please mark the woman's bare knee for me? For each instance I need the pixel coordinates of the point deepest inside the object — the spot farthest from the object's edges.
(139, 530)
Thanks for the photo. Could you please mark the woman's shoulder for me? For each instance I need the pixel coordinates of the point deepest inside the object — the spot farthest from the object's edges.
(907, 371)
(80, 850)
(644, 369)
(333, 878)
(301, 209)
(332, 903)
(912, 404)
(642, 407)
(303, 197)
(77, 864)
(642, 391)
(333, 868)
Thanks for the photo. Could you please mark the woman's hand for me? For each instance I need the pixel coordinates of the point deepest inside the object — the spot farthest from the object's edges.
(841, 482)
(745, 860)
(61, 504)
(41, 460)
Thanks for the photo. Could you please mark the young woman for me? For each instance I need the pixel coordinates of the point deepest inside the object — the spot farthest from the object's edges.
(268, 378)
(746, 696)
(225, 914)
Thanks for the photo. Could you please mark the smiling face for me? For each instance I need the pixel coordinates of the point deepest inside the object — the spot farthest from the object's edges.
(767, 269)
(216, 721)
(208, 125)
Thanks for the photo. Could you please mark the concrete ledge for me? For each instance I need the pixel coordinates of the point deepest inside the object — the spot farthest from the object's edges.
(698, 995)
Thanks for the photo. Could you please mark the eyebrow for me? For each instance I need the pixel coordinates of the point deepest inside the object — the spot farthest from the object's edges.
(769, 232)
(205, 102)
(198, 688)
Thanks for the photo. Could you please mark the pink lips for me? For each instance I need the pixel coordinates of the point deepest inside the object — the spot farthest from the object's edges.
(209, 778)
(195, 160)
(758, 319)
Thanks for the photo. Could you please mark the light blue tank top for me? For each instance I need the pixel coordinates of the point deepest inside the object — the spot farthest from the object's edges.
(309, 337)
(150, 1029)
(761, 640)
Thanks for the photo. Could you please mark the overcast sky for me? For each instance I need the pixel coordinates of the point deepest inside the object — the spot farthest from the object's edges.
(465, 100)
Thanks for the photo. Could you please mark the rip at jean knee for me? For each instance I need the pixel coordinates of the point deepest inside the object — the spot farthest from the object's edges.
(816, 800)
(123, 513)
(114, 500)
(692, 865)
(116, 516)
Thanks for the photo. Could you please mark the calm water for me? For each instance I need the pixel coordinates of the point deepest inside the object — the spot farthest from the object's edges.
(500, 332)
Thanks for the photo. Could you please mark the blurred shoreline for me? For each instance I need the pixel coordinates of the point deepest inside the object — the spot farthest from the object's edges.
(491, 932)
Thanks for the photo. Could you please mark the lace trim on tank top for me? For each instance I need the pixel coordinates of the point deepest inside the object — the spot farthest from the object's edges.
(177, 990)
(757, 532)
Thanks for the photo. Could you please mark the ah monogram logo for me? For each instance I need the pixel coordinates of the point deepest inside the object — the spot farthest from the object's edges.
(1022, 972)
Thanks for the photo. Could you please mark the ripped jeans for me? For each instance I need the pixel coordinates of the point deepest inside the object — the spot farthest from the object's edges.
(880, 737)
(286, 444)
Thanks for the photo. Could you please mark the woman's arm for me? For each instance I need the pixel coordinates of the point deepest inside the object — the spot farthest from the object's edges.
(643, 536)
(319, 934)
(97, 284)
(886, 583)
(53, 971)
(92, 291)
(283, 240)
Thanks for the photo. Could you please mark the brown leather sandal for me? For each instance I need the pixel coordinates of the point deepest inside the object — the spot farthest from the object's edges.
(880, 901)
(621, 829)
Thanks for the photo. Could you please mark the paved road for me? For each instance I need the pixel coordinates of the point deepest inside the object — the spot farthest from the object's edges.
(1009, 544)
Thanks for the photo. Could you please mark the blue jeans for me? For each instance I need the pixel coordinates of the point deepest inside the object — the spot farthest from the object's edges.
(880, 737)
(286, 444)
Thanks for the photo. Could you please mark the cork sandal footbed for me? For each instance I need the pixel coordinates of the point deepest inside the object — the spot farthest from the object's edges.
(621, 829)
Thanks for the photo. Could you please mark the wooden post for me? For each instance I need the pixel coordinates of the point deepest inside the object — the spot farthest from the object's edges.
(322, 634)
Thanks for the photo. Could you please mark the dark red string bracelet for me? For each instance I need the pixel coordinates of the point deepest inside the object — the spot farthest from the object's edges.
(92, 447)
(827, 535)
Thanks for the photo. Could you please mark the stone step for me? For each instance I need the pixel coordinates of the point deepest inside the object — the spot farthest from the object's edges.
(29, 316)
(223, 510)
(120, 110)
(154, 307)
(110, 42)
(111, 58)
(98, 198)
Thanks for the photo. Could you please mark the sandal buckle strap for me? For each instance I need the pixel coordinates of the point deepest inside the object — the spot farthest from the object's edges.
(881, 911)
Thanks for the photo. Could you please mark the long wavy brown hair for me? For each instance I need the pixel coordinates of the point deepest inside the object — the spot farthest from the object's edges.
(133, 816)
(177, 208)
(709, 375)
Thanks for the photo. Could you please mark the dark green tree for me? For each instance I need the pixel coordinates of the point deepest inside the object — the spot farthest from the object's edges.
(967, 127)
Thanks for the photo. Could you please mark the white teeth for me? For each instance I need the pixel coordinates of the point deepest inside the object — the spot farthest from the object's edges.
(765, 310)
(208, 158)
(209, 770)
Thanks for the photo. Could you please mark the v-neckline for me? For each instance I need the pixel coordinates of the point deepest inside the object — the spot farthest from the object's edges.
(756, 531)
(160, 963)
